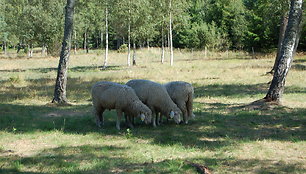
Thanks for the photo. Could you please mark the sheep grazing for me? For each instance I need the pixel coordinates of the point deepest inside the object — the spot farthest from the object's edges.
(182, 95)
(110, 95)
(155, 96)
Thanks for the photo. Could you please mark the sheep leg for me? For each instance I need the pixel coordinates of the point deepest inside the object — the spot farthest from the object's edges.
(99, 116)
(157, 118)
(153, 118)
(132, 120)
(128, 122)
(189, 106)
(182, 106)
(119, 115)
(160, 118)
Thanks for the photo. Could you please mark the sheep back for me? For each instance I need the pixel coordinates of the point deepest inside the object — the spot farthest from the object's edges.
(181, 93)
(110, 95)
(154, 95)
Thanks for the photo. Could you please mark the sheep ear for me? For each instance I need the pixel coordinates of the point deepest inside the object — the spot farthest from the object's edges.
(142, 117)
(171, 114)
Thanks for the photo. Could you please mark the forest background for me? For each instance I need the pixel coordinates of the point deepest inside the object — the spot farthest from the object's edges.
(197, 24)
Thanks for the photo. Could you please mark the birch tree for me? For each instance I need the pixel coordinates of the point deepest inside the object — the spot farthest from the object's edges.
(287, 52)
(106, 36)
(61, 79)
(170, 33)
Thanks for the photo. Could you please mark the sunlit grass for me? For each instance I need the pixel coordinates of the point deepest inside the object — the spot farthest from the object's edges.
(37, 137)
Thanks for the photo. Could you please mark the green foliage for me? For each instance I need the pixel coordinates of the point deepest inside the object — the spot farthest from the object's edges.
(216, 24)
(200, 36)
(123, 48)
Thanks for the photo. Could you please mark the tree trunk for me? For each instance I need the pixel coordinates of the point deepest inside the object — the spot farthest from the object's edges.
(61, 79)
(4, 48)
(129, 37)
(134, 53)
(75, 42)
(284, 23)
(170, 36)
(85, 42)
(101, 39)
(106, 38)
(287, 50)
(43, 50)
(30, 50)
(163, 47)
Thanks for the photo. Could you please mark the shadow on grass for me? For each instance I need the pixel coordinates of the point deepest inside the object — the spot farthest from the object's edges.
(72, 69)
(238, 90)
(211, 130)
(77, 89)
(299, 60)
(234, 165)
(67, 159)
(299, 67)
(112, 159)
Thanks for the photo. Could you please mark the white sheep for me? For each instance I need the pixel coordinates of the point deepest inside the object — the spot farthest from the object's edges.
(110, 95)
(182, 95)
(155, 96)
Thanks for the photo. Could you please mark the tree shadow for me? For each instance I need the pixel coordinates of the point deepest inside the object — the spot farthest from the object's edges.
(234, 165)
(72, 69)
(77, 88)
(299, 60)
(217, 124)
(68, 159)
(111, 159)
(299, 67)
(238, 90)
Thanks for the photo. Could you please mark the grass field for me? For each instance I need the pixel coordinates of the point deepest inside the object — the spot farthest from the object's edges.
(36, 137)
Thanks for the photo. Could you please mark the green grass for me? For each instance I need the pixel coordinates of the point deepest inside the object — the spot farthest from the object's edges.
(36, 137)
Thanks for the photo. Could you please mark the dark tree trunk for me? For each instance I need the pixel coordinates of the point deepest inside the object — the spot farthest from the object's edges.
(61, 79)
(134, 53)
(281, 36)
(4, 48)
(287, 50)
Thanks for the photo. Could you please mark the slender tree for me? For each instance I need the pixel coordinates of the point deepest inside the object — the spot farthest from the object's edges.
(134, 53)
(287, 52)
(129, 36)
(61, 80)
(170, 34)
(163, 46)
(106, 37)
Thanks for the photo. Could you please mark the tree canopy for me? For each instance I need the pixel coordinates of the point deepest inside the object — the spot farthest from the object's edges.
(215, 24)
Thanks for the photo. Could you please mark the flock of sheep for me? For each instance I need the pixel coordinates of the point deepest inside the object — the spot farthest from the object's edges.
(145, 99)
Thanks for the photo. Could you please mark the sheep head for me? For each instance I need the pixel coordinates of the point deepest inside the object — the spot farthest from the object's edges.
(145, 113)
(176, 116)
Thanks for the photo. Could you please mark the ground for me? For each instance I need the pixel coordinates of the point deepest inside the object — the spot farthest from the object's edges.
(226, 136)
